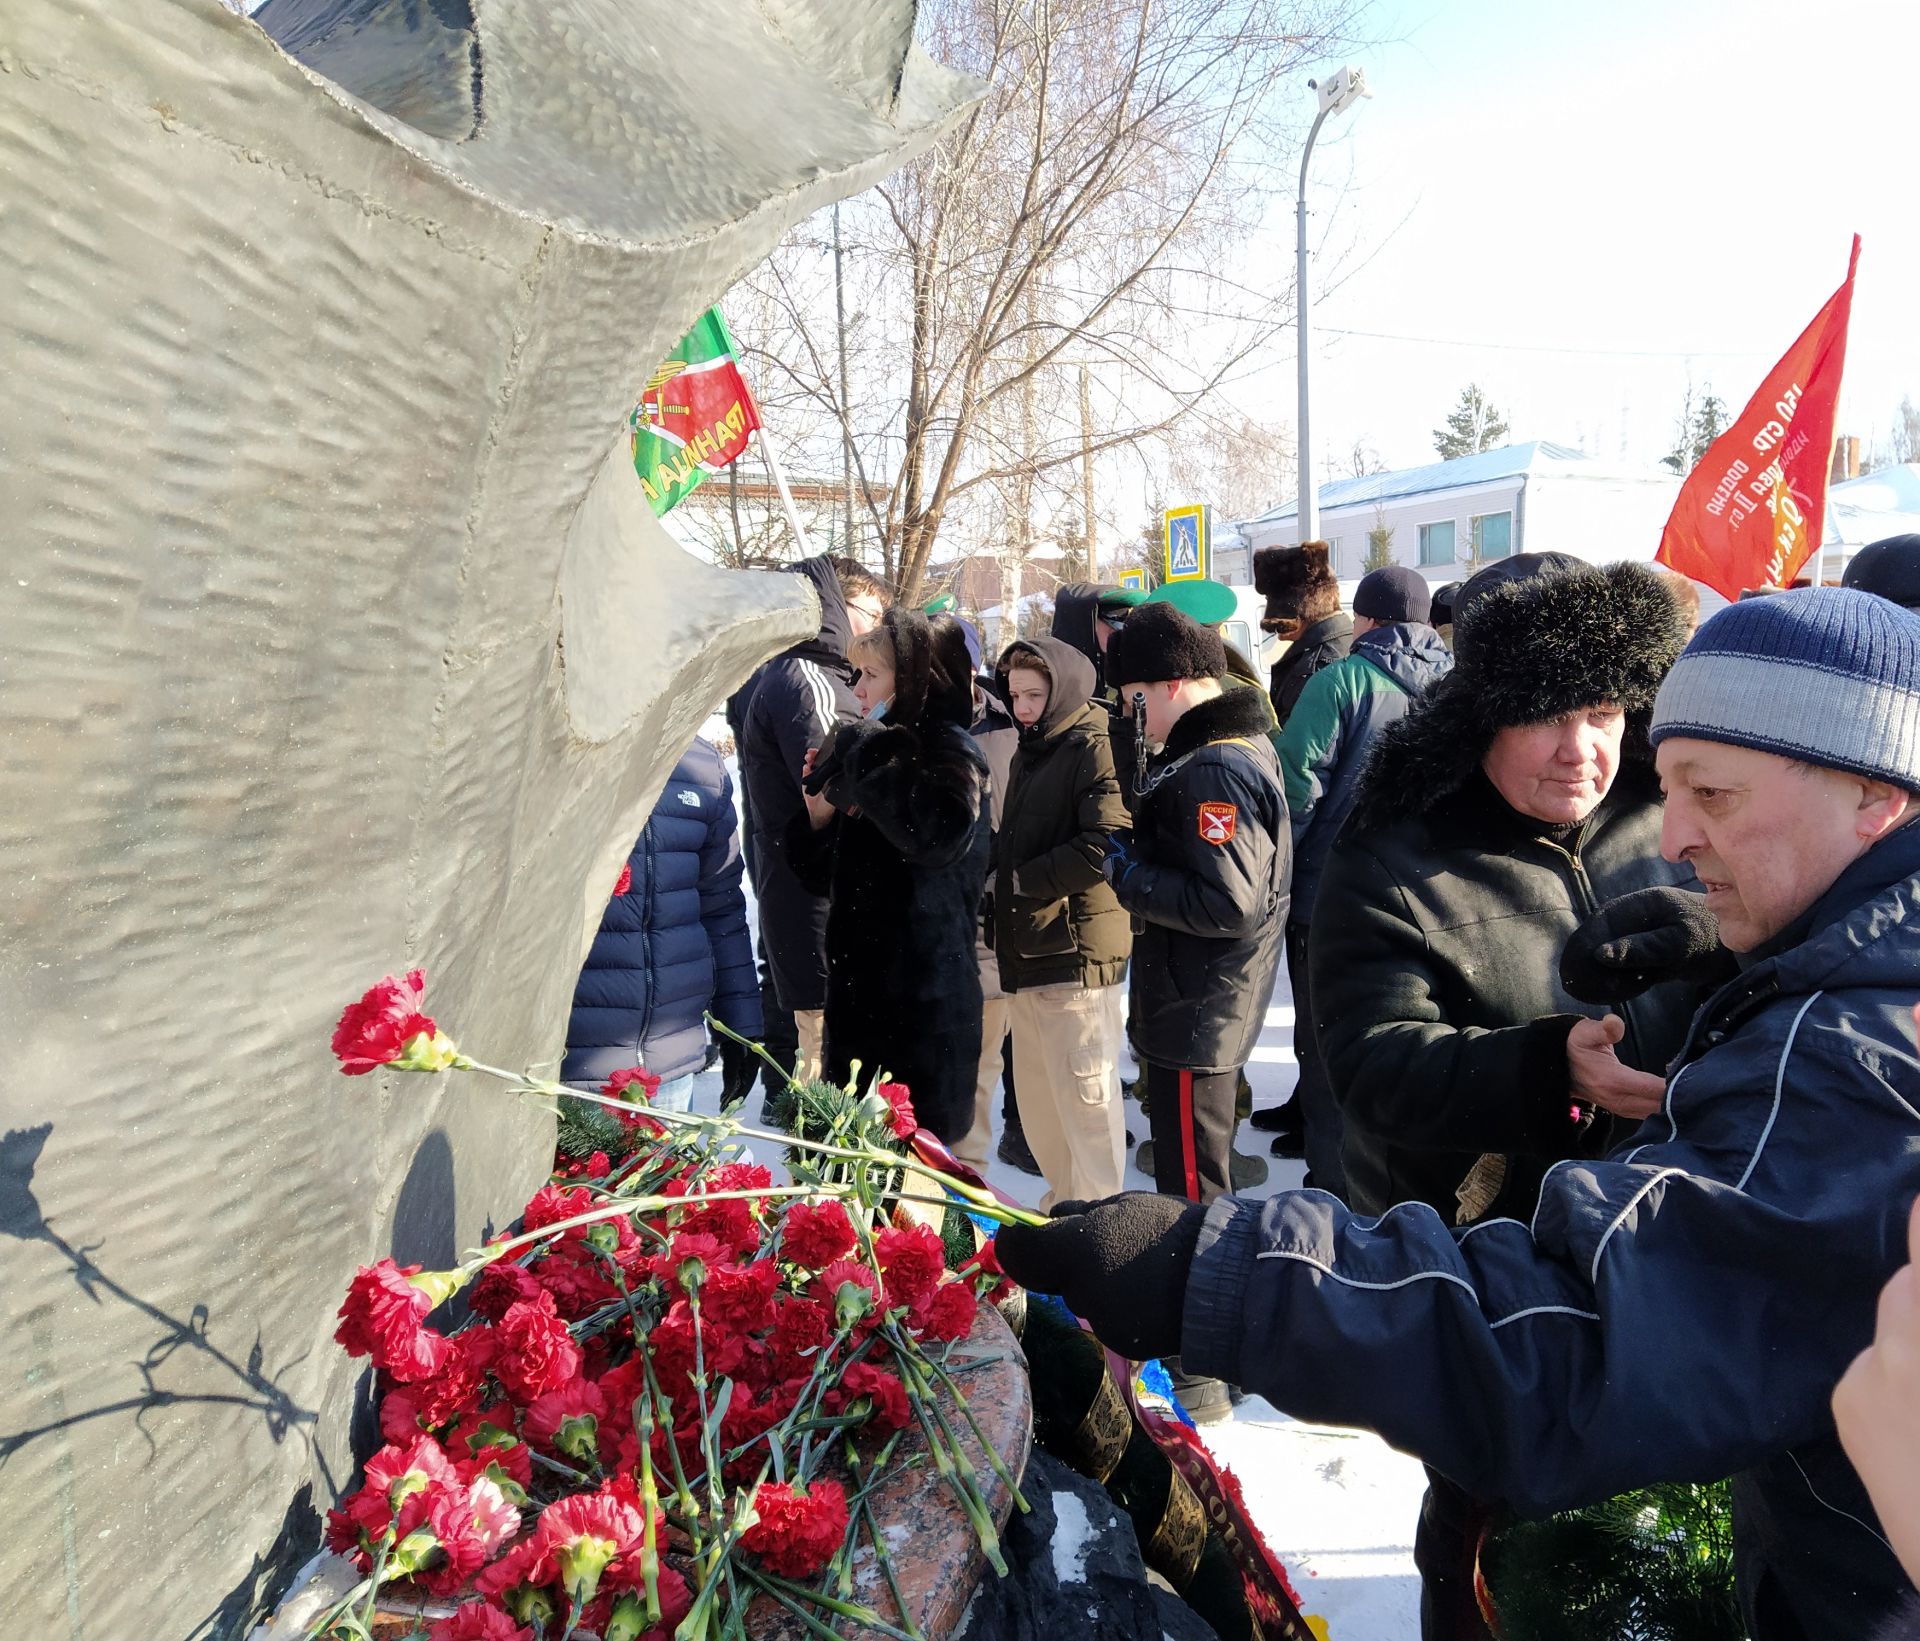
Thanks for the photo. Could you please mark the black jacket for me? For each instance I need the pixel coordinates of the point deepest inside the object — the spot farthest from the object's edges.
(1436, 974)
(903, 867)
(787, 706)
(1056, 921)
(1075, 608)
(1206, 882)
(1322, 644)
(1679, 1311)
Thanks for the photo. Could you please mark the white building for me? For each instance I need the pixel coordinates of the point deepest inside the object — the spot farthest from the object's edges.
(1447, 516)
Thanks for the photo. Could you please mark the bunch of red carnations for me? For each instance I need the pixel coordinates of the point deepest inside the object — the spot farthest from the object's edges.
(671, 1391)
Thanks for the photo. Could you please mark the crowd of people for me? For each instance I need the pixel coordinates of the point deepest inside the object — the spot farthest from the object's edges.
(1603, 936)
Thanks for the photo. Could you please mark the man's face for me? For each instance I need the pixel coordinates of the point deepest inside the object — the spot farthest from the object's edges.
(864, 611)
(1102, 631)
(1766, 836)
(1557, 770)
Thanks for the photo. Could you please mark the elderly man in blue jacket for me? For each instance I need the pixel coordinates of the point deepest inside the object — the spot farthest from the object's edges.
(1681, 1309)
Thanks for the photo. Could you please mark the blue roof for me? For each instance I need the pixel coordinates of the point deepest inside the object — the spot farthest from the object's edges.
(1509, 461)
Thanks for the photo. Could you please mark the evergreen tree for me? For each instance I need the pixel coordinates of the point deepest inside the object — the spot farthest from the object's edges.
(1473, 425)
(1699, 425)
(1379, 542)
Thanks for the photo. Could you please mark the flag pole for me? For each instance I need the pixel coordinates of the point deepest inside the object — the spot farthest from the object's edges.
(786, 495)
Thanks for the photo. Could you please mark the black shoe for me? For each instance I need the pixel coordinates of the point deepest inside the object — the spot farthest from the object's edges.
(1129, 1088)
(1291, 1146)
(1207, 1401)
(1015, 1152)
(1243, 1170)
(1143, 1158)
(1277, 1119)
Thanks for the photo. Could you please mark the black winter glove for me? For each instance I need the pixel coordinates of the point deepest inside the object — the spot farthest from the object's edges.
(738, 1064)
(1639, 940)
(1121, 1264)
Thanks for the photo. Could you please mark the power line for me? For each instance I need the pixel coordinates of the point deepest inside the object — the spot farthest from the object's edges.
(1531, 347)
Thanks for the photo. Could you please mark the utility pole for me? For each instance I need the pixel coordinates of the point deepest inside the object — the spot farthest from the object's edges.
(846, 406)
(1086, 477)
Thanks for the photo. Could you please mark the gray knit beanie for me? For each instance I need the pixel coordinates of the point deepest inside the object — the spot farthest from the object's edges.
(1823, 674)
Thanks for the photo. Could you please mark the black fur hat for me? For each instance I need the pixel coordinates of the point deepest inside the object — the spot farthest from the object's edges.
(1298, 584)
(1527, 650)
(1160, 643)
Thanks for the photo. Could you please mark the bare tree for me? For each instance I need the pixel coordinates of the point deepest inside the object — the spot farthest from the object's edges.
(1078, 220)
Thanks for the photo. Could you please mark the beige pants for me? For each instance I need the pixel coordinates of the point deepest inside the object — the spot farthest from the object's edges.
(811, 1024)
(1066, 1075)
(974, 1145)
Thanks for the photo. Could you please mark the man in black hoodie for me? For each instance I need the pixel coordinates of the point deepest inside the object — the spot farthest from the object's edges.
(1086, 615)
(783, 710)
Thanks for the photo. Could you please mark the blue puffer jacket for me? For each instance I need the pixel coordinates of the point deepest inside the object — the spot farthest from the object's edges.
(1680, 1310)
(675, 944)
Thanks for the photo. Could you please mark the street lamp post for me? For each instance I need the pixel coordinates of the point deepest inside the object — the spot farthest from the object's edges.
(1337, 94)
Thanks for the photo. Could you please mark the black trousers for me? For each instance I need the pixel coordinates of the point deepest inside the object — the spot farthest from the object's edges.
(780, 1035)
(1319, 1114)
(1193, 1120)
(1445, 1547)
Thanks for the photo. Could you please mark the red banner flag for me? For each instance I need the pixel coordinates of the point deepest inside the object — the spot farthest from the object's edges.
(1751, 512)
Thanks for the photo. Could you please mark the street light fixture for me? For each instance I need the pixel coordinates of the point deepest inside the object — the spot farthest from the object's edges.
(1338, 93)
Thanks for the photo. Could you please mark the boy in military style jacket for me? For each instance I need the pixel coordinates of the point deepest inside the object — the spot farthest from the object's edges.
(1205, 877)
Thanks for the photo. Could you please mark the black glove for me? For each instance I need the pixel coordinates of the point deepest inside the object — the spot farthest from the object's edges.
(1120, 1264)
(738, 1064)
(1641, 939)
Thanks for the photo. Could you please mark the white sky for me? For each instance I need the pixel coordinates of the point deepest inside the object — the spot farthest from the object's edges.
(1612, 194)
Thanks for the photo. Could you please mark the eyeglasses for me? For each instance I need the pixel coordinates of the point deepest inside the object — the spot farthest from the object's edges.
(871, 609)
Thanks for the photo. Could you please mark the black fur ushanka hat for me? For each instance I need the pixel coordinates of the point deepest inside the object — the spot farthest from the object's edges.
(1525, 651)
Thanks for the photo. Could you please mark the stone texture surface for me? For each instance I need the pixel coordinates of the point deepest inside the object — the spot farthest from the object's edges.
(337, 637)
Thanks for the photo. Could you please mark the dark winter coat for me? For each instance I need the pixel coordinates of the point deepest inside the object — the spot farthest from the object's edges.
(675, 945)
(1075, 607)
(1056, 921)
(996, 735)
(1436, 973)
(1206, 883)
(903, 866)
(786, 707)
(1679, 1311)
(1324, 745)
(1325, 642)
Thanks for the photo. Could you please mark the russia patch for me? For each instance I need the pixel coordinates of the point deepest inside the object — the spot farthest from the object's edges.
(1217, 821)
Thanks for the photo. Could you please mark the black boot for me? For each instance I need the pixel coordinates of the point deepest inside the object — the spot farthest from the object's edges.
(1015, 1152)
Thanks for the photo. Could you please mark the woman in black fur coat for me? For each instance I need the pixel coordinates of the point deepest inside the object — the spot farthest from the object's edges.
(897, 832)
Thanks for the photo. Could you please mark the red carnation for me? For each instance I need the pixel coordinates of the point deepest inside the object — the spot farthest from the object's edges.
(537, 1351)
(625, 881)
(816, 1234)
(887, 1394)
(740, 1297)
(399, 1416)
(552, 1203)
(461, 1382)
(740, 1176)
(620, 1085)
(582, 1536)
(477, 1621)
(797, 1532)
(851, 1289)
(800, 1329)
(567, 1419)
(385, 1317)
(950, 1312)
(502, 1285)
(899, 1108)
(913, 1259)
(375, 1031)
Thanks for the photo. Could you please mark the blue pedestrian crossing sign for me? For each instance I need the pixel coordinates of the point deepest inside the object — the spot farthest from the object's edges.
(1184, 532)
(1136, 579)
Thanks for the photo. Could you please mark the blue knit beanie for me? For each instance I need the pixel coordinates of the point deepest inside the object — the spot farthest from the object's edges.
(1824, 675)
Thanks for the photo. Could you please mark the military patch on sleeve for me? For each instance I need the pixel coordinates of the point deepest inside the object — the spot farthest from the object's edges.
(1217, 821)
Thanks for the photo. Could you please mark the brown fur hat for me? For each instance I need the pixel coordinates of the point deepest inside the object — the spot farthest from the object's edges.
(1299, 586)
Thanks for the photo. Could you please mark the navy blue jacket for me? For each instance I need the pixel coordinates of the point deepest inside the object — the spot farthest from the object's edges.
(780, 713)
(675, 945)
(1678, 1310)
